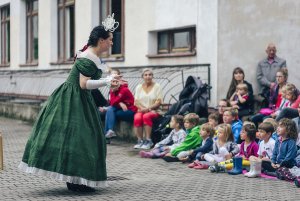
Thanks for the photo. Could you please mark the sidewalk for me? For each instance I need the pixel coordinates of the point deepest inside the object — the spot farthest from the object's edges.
(132, 178)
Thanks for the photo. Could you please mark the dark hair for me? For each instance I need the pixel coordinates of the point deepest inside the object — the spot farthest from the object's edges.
(208, 128)
(214, 116)
(192, 118)
(251, 131)
(290, 127)
(178, 119)
(284, 72)
(233, 83)
(267, 127)
(97, 33)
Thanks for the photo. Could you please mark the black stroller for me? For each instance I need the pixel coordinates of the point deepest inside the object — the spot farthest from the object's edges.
(192, 99)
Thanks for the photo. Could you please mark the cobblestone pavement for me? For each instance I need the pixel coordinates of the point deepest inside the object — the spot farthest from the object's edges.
(132, 178)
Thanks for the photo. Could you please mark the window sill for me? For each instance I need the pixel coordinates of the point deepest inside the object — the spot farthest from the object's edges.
(113, 59)
(153, 56)
(28, 64)
(4, 65)
(62, 63)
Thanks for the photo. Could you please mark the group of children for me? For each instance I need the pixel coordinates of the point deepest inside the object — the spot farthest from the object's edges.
(214, 147)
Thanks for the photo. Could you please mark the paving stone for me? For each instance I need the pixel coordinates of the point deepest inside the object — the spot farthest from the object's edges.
(132, 178)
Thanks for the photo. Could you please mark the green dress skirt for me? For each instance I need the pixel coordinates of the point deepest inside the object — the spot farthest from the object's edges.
(67, 141)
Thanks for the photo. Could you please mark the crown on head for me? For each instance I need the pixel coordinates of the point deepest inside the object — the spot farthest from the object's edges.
(110, 23)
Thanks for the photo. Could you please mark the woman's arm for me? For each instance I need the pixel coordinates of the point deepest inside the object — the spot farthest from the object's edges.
(86, 82)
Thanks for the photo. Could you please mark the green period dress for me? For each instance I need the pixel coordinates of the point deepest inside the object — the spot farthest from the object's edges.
(67, 141)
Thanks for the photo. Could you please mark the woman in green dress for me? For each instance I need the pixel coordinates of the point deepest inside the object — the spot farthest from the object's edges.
(67, 142)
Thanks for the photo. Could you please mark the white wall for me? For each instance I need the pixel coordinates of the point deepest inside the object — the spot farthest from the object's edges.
(246, 28)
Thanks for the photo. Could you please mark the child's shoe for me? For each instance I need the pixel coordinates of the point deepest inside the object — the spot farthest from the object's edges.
(297, 181)
(212, 168)
(193, 164)
(237, 166)
(146, 154)
(201, 166)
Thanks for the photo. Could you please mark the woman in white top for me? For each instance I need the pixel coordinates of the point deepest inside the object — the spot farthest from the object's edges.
(148, 98)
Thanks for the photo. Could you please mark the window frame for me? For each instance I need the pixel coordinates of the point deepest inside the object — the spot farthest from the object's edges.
(171, 51)
(62, 53)
(5, 59)
(108, 8)
(30, 14)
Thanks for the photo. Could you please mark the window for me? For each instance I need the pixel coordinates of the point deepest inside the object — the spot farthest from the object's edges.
(32, 44)
(66, 30)
(5, 35)
(176, 41)
(107, 7)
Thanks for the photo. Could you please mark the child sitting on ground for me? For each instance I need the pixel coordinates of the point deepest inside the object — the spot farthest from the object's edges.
(207, 132)
(248, 147)
(213, 120)
(285, 149)
(192, 140)
(224, 148)
(275, 125)
(175, 138)
(265, 150)
(231, 117)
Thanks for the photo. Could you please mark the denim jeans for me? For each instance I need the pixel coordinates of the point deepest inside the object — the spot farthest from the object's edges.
(287, 113)
(113, 113)
(256, 119)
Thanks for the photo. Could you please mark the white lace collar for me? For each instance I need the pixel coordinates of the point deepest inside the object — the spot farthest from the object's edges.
(91, 56)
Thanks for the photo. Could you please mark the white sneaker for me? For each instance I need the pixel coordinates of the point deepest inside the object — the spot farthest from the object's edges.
(147, 145)
(110, 134)
(139, 144)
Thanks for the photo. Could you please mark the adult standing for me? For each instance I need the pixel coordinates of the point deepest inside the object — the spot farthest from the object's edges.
(148, 98)
(67, 142)
(266, 70)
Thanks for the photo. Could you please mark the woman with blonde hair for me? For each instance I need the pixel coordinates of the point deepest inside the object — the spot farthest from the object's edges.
(148, 98)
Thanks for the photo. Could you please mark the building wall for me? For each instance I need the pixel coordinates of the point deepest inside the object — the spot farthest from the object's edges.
(229, 33)
(245, 29)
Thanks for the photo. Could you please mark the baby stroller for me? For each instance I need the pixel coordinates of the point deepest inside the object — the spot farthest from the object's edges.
(192, 99)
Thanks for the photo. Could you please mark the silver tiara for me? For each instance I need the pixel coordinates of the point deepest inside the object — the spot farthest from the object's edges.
(110, 23)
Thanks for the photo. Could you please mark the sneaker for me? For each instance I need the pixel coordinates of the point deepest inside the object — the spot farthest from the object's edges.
(147, 144)
(110, 134)
(138, 145)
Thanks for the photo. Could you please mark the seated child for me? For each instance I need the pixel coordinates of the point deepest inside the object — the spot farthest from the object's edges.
(231, 117)
(265, 150)
(213, 120)
(240, 100)
(224, 147)
(248, 147)
(192, 140)
(285, 149)
(175, 138)
(206, 132)
(274, 123)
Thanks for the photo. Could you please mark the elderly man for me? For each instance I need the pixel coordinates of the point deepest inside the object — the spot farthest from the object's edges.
(266, 70)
